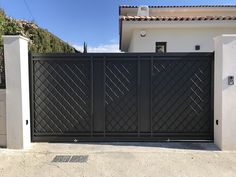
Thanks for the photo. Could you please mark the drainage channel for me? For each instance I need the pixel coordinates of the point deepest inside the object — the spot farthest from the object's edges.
(70, 158)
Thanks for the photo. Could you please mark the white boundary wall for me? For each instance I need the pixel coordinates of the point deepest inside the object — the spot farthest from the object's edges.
(3, 138)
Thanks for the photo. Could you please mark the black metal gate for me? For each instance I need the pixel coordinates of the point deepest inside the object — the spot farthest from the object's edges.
(122, 97)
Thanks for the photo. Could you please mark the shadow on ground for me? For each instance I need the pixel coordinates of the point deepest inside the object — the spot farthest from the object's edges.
(204, 146)
(171, 145)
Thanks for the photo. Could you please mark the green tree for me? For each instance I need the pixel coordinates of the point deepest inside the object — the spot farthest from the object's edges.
(41, 40)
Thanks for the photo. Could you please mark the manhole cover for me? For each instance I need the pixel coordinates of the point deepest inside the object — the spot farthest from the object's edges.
(70, 158)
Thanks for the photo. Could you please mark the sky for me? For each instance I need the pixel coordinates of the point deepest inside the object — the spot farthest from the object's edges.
(92, 21)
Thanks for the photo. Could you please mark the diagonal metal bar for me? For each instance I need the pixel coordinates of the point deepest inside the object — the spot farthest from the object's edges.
(170, 108)
(53, 104)
(67, 92)
(78, 122)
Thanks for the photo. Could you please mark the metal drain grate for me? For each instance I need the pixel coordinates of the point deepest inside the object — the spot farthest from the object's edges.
(79, 158)
(61, 158)
(69, 158)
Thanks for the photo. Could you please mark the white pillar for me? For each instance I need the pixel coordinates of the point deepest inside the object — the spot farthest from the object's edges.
(17, 92)
(224, 93)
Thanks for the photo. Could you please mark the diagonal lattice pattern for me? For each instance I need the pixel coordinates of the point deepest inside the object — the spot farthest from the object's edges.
(99, 97)
(180, 96)
(121, 96)
(62, 97)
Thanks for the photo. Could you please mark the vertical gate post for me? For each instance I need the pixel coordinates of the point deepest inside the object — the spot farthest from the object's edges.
(225, 92)
(17, 92)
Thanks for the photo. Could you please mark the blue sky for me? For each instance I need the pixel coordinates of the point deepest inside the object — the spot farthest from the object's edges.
(93, 21)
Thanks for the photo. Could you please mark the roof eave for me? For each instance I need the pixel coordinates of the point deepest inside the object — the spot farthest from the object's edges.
(187, 6)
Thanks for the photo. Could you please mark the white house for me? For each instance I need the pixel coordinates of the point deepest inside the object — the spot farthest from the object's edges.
(174, 28)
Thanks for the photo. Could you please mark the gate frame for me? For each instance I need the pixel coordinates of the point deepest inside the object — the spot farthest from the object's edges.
(115, 56)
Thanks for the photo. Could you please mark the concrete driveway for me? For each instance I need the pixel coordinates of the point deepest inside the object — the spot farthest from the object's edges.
(119, 160)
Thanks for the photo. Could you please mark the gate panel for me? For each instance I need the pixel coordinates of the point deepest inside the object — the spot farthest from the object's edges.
(181, 95)
(121, 99)
(62, 97)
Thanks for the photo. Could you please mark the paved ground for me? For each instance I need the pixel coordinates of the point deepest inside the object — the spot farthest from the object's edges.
(120, 160)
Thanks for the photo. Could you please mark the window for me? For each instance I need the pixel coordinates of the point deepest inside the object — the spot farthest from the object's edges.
(161, 47)
(143, 8)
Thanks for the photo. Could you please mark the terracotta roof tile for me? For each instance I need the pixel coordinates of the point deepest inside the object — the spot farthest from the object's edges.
(175, 18)
(194, 6)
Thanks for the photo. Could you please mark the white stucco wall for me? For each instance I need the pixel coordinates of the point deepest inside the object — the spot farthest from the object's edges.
(17, 92)
(3, 138)
(225, 94)
(178, 39)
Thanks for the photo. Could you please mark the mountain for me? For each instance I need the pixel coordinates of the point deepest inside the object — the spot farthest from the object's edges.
(41, 40)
